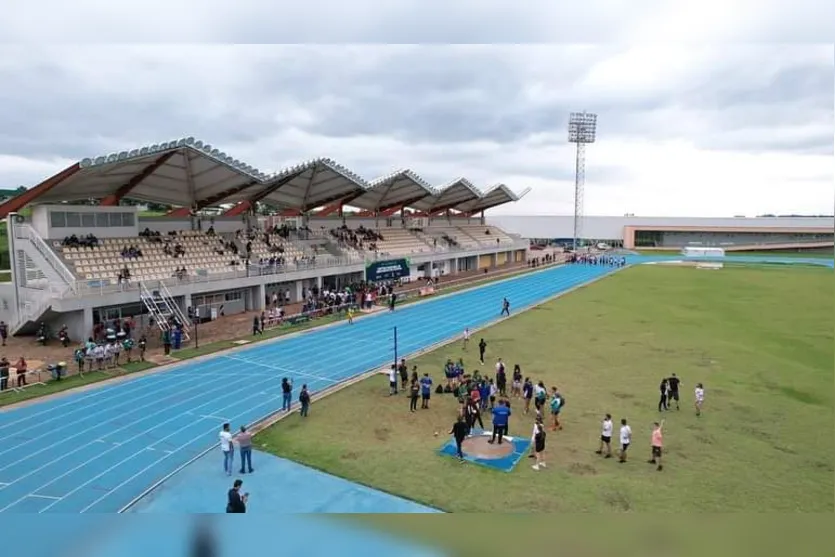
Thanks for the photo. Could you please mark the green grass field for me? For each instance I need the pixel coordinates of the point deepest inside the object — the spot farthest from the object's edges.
(761, 340)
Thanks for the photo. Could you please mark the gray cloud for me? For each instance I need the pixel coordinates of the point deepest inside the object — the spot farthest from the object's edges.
(495, 112)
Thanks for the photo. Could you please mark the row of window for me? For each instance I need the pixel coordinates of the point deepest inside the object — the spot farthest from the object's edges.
(215, 299)
(66, 219)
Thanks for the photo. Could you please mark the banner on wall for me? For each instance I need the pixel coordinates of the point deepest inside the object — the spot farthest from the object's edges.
(387, 270)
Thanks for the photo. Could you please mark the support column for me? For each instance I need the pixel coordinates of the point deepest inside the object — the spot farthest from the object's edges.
(260, 292)
(87, 323)
(319, 282)
(185, 303)
(299, 292)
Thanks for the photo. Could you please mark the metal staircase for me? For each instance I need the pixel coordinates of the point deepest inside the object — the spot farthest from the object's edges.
(163, 309)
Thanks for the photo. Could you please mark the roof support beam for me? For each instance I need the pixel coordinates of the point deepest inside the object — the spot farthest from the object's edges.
(444, 208)
(220, 196)
(272, 188)
(405, 203)
(390, 211)
(238, 209)
(114, 198)
(18, 202)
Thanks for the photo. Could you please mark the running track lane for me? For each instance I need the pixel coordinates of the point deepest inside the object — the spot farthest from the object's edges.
(97, 450)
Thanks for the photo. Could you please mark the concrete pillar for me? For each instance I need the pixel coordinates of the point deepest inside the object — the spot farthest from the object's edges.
(87, 323)
(319, 282)
(185, 303)
(299, 292)
(260, 292)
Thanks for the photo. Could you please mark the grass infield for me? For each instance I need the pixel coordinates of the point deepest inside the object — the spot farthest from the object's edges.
(760, 339)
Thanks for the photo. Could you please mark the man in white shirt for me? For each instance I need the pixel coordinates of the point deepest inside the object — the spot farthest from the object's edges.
(227, 449)
(700, 398)
(466, 337)
(625, 439)
(393, 380)
(606, 437)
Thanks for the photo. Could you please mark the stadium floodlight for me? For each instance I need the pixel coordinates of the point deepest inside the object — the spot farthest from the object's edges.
(123, 155)
(582, 130)
(100, 160)
(207, 148)
(181, 143)
(215, 153)
(198, 144)
(143, 151)
(189, 141)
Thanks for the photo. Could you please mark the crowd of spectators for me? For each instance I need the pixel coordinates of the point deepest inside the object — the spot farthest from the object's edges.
(359, 238)
(73, 241)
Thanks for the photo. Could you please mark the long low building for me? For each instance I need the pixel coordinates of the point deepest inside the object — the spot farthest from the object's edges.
(83, 254)
(630, 232)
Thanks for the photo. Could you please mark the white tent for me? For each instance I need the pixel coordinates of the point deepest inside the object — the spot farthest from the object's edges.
(702, 252)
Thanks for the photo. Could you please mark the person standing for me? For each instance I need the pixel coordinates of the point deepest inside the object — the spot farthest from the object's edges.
(625, 439)
(539, 446)
(403, 370)
(304, 401)
(606, 437)
(286, 394)
(227, 449)
(527, 393)
(700, 398)
(556, 408)
(414, 394)
(393, 380)
(505, 307)
(501, 378)
(20, 366)
(482, 348)
(245, 448)
(459, 433)
(236, 501)
(501, 419)
(425, 390)
(657, 442)
(673, 383)
(662, 402)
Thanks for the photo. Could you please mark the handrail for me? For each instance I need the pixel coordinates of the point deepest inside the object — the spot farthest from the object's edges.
(26, 232)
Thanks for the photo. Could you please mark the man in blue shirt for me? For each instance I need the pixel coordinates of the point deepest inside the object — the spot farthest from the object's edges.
(501, 417)
(425, 390)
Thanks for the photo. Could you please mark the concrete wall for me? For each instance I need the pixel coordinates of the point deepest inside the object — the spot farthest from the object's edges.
(93, 220)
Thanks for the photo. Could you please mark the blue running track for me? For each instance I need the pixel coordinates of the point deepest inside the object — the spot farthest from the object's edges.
(96, 451)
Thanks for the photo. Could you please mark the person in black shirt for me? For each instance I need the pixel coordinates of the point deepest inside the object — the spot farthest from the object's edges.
(304, 401)
(414, 394)
(505, 307)
(459, 433)
(662, 402)
(404, 374)
(236, 501)
(482, 347)
(673, 383)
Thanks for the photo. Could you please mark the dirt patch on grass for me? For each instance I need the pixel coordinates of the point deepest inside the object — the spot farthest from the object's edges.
(582, 469)
(617, 500)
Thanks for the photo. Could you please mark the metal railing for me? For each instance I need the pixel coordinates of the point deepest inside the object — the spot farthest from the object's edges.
(97, 287)
(33, 308)
(26, 232)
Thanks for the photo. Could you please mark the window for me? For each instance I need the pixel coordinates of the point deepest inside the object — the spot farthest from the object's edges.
(73, 220)
(127, 219)
(234, 295)
(88, 220)
(116, 219)
(57, 219)
(102, 220)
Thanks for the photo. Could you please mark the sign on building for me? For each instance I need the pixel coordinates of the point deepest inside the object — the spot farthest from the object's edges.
(387, 270)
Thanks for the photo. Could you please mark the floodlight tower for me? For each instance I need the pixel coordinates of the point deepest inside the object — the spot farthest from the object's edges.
(582, 129)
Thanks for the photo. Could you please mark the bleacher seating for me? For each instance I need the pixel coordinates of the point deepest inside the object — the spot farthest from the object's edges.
(200, 252)
(399, 241)
(260, 249)
(463, 240)
(480, 234)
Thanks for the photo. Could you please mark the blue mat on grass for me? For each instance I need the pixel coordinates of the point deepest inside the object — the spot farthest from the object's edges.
(504, 464)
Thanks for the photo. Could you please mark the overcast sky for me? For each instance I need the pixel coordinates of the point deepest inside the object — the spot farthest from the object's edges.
(683, 129)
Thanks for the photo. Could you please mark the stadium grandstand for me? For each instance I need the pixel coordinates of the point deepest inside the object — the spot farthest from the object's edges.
(84, 252)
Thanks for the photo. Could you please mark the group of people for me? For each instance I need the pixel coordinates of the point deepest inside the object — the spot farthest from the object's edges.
(596, 259)
(359, 238)
(107, 354)
(73, 241)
